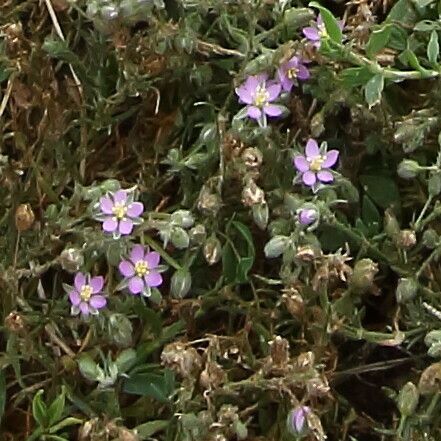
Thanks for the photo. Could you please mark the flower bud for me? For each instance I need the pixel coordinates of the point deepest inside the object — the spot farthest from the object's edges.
(24, 217)
(406, 290)
(295, 18)
(120, 330)
(430, 238)
(276, 246)
(362, 278)
(180, 283)
(296, 422)
(434, 184)
(110, 185)
(212, 250)
(391, 226)
(408, 399)
(179, 238)
(197, 234)
(261, 215)
(308, 216)
(71, 259)
(433, 337)
(182, 218)
(408, 169)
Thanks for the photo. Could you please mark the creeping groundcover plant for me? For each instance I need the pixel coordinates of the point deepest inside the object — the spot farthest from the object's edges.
(220, 220)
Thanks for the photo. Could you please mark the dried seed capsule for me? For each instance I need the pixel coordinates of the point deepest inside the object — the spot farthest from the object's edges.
(212, 250)
(408, 399)
(24, 217)
(363, 276)
(71, 260)
(406, 290)
(430, 380)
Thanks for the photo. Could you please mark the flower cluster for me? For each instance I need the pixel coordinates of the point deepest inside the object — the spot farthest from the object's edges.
(119, 213)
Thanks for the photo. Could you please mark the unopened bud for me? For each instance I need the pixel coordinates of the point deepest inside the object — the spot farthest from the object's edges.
(261, 215)
(197, 234)
(180, 283)
(434, 184)
(408, 169)
(120, 330)
(362, 278)
(391, 226)
(24, 217)
(212, 250)
(276, 246)
(408, 399)
(296, 422)
(308, 216)
(430, 238)
(433, 341)
(406, 290)
(182, 218)
(179, 238)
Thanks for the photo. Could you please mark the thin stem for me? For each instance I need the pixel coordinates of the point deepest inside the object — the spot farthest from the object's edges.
(423, 212)
(155, 246)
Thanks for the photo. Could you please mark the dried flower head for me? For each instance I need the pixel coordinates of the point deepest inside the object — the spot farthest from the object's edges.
(24, 217)
(182, 358)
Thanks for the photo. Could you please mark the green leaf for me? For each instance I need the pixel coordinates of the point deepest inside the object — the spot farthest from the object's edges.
(331, 23)
(70, 421)
(56, 408)
(433, 48)
(2, 393)
(355, 76)
(378, 39)
(373, 89)
(381, 189)
(403, 12)
(371, 216)
(159, 387)
(39, 409)
(146, 430)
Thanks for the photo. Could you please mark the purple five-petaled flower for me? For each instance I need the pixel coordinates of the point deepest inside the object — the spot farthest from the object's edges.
(86, 294)
(296, 420)
(314, 166)
(318, 31)
(258, 93)
(141, 270)
(119, 213)
(291, 71)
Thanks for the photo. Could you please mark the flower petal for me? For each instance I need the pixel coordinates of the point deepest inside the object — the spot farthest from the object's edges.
(312, 149)
(74, 298)
(153, 279)
(98, 302)
(253, 112)
(309, 178)
(126, 268)
(330, 158)
(106, 205)
(110, 225)
(325, 176)
(136, 285)
(97, 284)
(273, 91)
(152, 259)
(120, 197)
(79, 281)
(244, 94)
(320, 20)
(311, 33)
(273, 110)
(137, 253)
(301, 163)
(303, 73)
(287, 84)
(135, 209)
(125, 226)
(84, 308)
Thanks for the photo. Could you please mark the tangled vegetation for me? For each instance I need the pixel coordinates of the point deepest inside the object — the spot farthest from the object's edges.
(220, 220)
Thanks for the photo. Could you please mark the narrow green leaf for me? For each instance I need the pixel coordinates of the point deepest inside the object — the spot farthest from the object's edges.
(373, 89)
(146, 430)
(331, 23)
(39, 409)
(433, 48)
(2, 393)
(56, 408)
(378, 39)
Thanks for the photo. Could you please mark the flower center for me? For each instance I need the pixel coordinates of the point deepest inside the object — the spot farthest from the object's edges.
(316, 163)
(86, 292)
(141, 268)
(119, 210)
(292, 73)
(261, 96)
(323, 33)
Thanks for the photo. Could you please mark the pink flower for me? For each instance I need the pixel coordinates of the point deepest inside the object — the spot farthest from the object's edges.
(318, 31)
(86, 296)
(258, 93)
(315, 166)
(297, 420)
(141, 270)
(119, 213)
(289, 72)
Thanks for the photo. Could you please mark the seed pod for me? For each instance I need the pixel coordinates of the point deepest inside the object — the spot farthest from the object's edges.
(261, 215)
(408, 399)
(14, 322)
(180, 283)
(182, 218)
(279, 351)
(406, 290)
(252, 194)
(294, 304)
(430, 380)
(430, 239)
(406, 239)
(212, 250)
(179, 238)
(197, 234)
(252, 157)
(408, 169)
(362, 278)
(24, 217)
(71, 259)
(434, 184)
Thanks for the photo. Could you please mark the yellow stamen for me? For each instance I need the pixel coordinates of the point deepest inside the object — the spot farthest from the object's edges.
(119, 210)
(86, 292)
(141, 268)
(261, 96)
(316, 163)
(292, 73)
